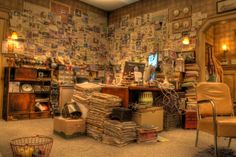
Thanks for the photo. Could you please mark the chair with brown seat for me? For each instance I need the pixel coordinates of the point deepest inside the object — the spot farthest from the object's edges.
(215, 111)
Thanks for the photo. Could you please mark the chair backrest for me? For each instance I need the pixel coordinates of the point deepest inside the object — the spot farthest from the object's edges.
(219, 93)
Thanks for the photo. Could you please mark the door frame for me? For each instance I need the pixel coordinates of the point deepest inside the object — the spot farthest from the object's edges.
(200, 47)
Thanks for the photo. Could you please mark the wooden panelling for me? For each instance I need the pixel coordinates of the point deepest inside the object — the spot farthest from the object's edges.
(230, 80)
(25, 74)
(20, 102)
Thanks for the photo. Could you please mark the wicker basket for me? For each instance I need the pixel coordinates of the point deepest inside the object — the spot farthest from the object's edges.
(35, 146)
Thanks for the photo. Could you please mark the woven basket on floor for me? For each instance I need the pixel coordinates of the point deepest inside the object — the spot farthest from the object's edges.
(35, 146)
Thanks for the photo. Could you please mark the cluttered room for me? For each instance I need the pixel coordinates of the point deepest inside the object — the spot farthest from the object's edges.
(100, 78)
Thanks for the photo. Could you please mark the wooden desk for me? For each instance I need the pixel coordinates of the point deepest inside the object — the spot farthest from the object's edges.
(143, 88)
(127, 94)
(119, 91)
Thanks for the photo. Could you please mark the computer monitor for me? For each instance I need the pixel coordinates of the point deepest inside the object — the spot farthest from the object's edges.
(153, 59)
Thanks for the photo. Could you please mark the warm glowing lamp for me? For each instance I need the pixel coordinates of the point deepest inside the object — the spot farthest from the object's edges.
(224, 47)
(14, 35)
(225, 50)
(186, 40)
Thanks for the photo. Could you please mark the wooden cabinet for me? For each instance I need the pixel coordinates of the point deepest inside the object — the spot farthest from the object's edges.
(230, 79)
(26, 93)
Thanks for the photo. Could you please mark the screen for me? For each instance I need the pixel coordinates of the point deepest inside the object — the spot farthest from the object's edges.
(152, 59)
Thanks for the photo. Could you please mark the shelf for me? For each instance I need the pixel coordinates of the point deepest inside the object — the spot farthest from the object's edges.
(21, 92)
(33, 80)
(48, 92)
(42, 100)
(42, 92)
(43, 114)
(23, 101)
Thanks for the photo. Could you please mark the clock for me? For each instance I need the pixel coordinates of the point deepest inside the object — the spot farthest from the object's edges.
(26, 87)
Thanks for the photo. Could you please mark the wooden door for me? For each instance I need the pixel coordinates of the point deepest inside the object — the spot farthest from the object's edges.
(230, 79)
(3, 33)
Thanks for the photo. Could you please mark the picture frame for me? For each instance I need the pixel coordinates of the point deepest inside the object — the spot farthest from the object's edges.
(60, 9)
(225, 6)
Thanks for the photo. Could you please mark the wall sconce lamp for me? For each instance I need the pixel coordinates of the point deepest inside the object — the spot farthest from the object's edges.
(12, 41)
(225, 50)
(14, 35)
(186, 40)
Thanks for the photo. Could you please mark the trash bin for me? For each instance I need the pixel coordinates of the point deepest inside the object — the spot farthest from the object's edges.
(34, 146)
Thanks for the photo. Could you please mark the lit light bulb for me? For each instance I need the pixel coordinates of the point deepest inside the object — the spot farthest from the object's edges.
(186, 41)
(224, 47)
(14, 35)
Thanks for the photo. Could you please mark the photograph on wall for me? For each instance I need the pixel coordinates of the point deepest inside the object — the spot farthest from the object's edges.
(225, 6)
(78, 12)
(60, 9)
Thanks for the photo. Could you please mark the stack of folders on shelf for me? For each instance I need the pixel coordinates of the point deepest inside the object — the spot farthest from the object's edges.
(190, 82)
(100, 108)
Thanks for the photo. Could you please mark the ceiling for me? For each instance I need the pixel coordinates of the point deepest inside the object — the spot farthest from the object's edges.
(109, 5)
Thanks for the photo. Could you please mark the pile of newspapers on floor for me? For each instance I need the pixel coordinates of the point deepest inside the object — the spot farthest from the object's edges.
(119, 133)
(100, 108)
(82, 95)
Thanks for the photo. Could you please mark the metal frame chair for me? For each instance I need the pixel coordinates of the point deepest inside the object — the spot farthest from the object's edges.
(206, 97)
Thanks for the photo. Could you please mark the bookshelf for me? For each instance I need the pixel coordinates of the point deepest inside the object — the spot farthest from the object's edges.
(26, 93)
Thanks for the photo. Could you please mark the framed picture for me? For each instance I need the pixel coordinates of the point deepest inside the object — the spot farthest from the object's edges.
(225, 6)
(60, 9)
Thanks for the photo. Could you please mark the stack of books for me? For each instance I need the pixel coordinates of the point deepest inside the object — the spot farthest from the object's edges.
(190, 82)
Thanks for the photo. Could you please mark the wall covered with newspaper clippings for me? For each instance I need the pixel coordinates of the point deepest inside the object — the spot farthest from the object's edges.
(73, 37)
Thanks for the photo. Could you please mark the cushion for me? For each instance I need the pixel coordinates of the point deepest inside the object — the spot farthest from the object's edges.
(226, 126)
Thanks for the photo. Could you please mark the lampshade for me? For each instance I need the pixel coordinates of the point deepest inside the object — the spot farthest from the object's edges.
(14, 35)
(224, 47)
(186, 40)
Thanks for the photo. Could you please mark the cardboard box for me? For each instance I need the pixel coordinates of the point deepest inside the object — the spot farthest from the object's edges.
(69, 126)
(150, 116)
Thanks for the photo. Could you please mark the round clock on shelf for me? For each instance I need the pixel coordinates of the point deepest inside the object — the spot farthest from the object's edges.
(26, 87)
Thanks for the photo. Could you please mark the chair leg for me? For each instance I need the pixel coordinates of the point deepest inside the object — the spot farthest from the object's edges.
(215, 145)
(229, 142)
(196, 141)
